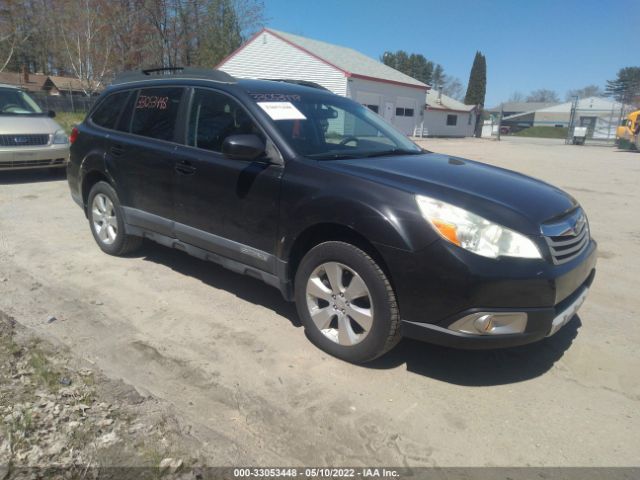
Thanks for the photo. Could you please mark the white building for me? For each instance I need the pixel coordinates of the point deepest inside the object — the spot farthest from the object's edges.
(271, 54)
(447, 117)
(601, 116)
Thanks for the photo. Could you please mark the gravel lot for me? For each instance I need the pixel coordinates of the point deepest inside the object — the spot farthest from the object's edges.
(229, 356)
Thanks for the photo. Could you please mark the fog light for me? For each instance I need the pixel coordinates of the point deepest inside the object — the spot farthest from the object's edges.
(491, 323)
(484, 323)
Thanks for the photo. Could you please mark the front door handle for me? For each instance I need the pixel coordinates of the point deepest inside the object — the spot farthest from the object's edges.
(184, 167)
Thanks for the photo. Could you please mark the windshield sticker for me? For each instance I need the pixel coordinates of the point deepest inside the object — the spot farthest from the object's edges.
(145, 101)
(274, 97)
(282, 111)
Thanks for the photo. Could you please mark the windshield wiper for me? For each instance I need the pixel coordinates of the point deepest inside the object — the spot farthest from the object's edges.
(395, 151)
(344, 156)
(333, 156)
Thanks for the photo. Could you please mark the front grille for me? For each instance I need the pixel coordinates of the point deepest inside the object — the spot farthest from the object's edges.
(32, 163)
(28, 140)
(568, 237)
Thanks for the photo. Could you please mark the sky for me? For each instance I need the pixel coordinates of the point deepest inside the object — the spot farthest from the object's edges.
(529, 44)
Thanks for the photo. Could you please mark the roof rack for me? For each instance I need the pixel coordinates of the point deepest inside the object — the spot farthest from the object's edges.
(175, 72)
(304, 83)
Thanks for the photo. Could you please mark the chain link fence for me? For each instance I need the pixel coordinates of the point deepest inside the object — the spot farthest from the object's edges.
(595, 126)
(64, 103)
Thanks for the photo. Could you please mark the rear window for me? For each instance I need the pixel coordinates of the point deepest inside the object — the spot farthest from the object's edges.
(109, 109)
(156, 111)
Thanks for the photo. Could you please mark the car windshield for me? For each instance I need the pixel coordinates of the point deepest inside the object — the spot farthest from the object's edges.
(17, 102)
(327, 127)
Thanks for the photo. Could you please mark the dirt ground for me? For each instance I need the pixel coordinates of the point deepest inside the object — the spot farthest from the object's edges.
(230, 359)
(61, 418)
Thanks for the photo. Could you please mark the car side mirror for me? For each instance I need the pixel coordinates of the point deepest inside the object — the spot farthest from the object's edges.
(51, 114)
(243, 147)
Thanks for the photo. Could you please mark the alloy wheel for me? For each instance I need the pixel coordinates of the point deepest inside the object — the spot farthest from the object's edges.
(103, 216)
(339, 303)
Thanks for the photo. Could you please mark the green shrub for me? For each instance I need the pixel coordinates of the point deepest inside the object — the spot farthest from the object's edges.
(67, 120)
(543, 132)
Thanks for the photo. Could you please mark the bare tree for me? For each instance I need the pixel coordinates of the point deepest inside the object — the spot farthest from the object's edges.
(93, 39)
(585, 92)
(12, 31)
(543, 95)
(516, 97)
(453, 88)
(85, 36)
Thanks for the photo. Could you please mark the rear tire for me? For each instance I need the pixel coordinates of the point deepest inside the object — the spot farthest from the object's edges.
(106, 220)
(346, 303)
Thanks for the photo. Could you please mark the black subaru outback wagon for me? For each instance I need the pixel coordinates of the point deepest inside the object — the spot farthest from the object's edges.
(371, 236)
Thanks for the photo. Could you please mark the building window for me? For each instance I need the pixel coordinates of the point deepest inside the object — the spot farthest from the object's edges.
(404, 112)
(373, 108)
(452, 120)
(469, 120)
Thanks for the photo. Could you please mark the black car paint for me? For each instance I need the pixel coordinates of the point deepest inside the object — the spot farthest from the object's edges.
(248, 215)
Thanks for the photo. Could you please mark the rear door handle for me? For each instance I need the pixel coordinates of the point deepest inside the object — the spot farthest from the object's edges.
(184, 167)
(117, 150)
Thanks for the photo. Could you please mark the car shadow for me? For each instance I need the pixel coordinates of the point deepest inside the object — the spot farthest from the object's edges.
(242, 286)
(459, 367)
(35, 175)
(478, 368)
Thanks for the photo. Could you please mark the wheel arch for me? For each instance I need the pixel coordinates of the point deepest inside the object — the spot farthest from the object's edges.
(325, 232)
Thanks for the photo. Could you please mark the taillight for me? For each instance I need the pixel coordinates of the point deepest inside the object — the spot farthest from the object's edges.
(74, 135)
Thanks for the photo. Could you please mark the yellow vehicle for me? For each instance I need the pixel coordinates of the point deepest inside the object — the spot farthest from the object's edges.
(628, 133)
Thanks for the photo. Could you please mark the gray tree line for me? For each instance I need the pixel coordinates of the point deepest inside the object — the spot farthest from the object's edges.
(92, 40)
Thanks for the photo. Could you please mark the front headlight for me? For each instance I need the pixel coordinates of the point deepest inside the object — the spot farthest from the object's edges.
(474, 233)
(60, 137)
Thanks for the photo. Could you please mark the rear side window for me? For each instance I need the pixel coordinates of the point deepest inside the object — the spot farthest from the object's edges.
(155, 112)
(214, 117)
(108, 111)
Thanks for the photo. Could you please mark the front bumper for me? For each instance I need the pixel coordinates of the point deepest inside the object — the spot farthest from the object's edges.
(444, 284)
(543, 322)
(56, 155)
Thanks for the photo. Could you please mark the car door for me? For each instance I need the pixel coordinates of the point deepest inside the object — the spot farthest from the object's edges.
(224, 205)
(141, 157)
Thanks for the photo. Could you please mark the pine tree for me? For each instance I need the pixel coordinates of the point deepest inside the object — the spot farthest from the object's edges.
(626, 87)
(414, 65)
(477, 87)
(438, 78)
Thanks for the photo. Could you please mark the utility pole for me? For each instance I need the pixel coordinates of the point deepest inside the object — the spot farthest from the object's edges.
(500, 120)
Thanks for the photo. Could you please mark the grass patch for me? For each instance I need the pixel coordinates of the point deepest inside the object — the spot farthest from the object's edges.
(43, 371)
(67, 120)
(543, 132)
(19, 428)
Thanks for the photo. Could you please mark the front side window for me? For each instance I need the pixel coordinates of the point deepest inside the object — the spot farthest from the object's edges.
(155, 112)
(17, 102)
(326, 127)
(452, 120)
(109, 109)
(214, 117)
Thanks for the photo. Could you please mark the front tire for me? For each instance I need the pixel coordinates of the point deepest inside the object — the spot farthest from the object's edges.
(346, 303)
(106, 220)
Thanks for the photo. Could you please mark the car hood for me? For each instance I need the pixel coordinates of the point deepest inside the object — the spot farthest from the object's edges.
(503, 196)
(22, 124)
